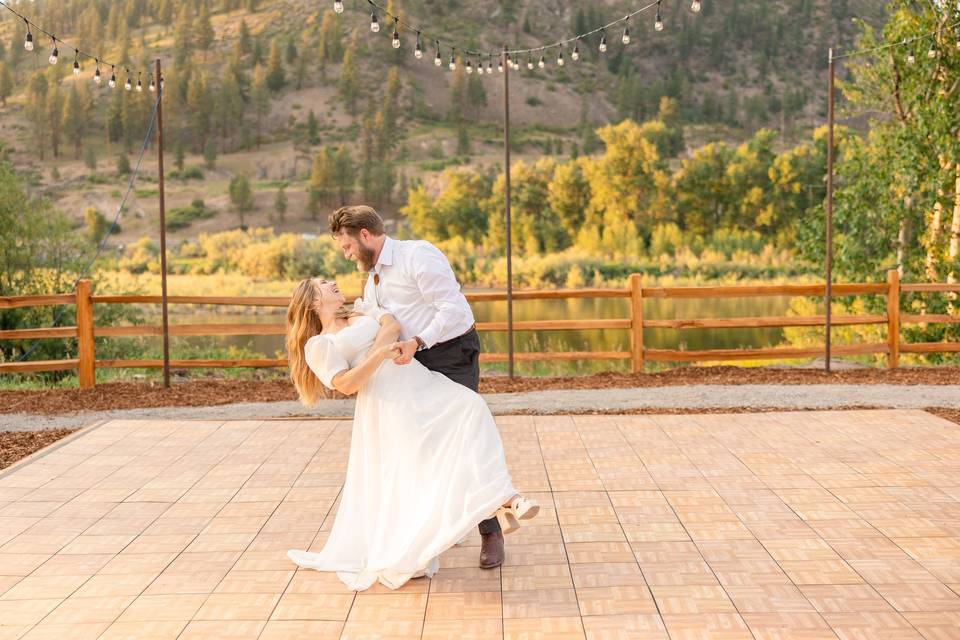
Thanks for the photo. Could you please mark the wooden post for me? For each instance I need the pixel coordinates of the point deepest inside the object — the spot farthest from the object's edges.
(163, 230)
(506, 197)
(85, 352)
(636, 322)
(893, 318)
(828, 298)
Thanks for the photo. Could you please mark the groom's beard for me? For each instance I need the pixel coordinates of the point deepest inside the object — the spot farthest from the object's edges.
(365, 258)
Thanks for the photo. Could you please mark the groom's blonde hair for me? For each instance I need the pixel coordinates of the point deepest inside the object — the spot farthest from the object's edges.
(353, 218)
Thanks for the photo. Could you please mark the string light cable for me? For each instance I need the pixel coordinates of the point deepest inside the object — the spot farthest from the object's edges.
(901, 43)
(399, 24)
(30, 44)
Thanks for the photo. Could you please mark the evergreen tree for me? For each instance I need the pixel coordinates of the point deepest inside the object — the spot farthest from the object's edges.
(183, 37)
(210, 154)
(280, 202)
(313, 135)
(241, 196)
(260, 99)
(276, 77)
(205, 33)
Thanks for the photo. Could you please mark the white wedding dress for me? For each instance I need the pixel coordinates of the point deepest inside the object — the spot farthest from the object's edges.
(426, 466)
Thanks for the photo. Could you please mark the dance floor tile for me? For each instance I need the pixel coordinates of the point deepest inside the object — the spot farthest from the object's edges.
(775, 526)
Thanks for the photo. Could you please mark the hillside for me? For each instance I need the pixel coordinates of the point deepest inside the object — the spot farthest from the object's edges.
(733, 68)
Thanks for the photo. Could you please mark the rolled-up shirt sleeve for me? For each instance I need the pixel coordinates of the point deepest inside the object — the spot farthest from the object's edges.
(439, 287)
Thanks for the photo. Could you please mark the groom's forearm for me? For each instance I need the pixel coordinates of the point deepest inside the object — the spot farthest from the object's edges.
(389, 332)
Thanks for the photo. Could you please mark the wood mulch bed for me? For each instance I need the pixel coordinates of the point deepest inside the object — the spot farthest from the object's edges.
(200, 392)
(19, 444)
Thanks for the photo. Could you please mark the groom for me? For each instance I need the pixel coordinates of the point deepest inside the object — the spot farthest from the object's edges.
(412, 279)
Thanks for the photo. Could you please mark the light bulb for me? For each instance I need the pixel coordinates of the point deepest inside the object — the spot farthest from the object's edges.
(576, 51)
(128, 85)
(626, 31)
(139, 84)
(500, 66)
(695, 6)
(529, 62)
(541, 63)
(437, 61)
(96, 76)
(28, 43)
(396, 40)
(469, 67)
(931, 52)
(911, 58)
(374, 24)
(603, 44)
(658, 25)
(55, 54)
(490, 66)
(453, 59)
(76, 69)
(152, 87)
(418, 51)
(338, 7)
(113, 80)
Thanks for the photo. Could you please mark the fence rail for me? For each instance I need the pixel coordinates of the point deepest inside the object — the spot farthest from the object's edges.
(85, 332)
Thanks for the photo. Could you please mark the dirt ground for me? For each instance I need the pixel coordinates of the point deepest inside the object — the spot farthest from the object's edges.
(198, 392)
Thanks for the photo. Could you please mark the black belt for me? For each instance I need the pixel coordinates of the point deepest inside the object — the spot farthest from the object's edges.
(440, 344)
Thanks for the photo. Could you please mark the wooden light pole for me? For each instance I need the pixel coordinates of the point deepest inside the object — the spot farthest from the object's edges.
(506, 192)
(829, 252)
(163, 230)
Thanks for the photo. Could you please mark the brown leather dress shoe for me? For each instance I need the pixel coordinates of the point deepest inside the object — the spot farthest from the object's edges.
(491, 550)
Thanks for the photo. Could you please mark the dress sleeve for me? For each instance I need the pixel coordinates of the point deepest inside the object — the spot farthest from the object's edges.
(324, 359)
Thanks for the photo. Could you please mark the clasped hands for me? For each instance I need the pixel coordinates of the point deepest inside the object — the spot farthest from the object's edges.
(400, 352)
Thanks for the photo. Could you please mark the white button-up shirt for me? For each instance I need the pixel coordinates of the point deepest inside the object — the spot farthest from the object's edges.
(418, 287)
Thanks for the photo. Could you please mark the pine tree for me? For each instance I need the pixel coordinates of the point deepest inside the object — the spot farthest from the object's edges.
(280, 203)
(90, 159)
(344, 173)
(476, 95)
(241, 196)
(313, 135)
(260, 98)
(348, 85)
(179, 157)
(74, 119)
(54, 112)
(458, 94)
(123, 165)
(276, 77)
(210, 154)
(290, 52)
(244, 40)
(205, 33)
(183, 37)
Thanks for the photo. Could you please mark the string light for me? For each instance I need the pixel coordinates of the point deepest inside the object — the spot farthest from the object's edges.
(152, 87)
(490, 65)
(55, 54)
(541, 63)
(28, 42)
(396, 33)
(128, 85)
(453, 59)
(658, 25)
(695, 6)
(575, 56)
(529, 61)
(418, 51)
(911, 58)
(76, 64)
(338, 7)
(626, 31)
(603, 41)
(139, 83)
(374, 24)
(500, 66)
(113, 78)
(437, 61)
(931, 52)
(469, 67)
(560, 57)
(96, 74)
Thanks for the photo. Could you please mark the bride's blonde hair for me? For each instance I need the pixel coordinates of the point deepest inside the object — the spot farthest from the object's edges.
(303, 322)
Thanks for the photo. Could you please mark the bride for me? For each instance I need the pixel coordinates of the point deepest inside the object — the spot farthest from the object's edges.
(426, 463)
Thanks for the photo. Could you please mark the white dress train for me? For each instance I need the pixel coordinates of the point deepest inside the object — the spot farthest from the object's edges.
(426, 466)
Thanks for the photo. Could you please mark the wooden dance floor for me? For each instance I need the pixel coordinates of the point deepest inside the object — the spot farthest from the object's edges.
(764, 526)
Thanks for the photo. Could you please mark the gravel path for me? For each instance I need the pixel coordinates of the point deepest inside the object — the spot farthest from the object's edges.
(562, 401)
